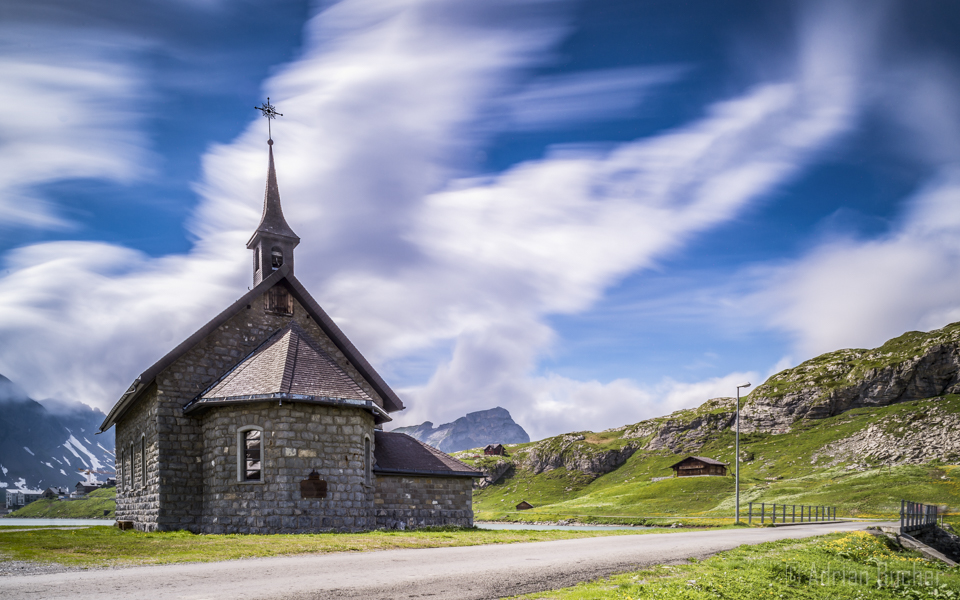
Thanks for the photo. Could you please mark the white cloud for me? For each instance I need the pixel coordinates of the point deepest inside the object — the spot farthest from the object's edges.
(851, 293)
(559, 100)
(69, 113)
(406, 254)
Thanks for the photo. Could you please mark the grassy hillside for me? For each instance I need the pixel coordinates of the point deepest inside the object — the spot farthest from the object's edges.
(809, 466)
(90, 507)
(846, 367)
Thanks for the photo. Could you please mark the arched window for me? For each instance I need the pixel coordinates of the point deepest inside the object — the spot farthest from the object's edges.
(367, 461)
(250, 454)
(276, 257)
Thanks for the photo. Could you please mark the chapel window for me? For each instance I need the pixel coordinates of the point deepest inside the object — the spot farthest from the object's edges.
(132, 463)
(143, 461)
(121, 471)
(276, 257)
(256, 259)
(250, 452)
(278, 300)
(367, 461)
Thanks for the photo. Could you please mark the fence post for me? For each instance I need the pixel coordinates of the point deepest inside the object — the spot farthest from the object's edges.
(773, 515)
(763, 515)
(793, 519)
(784, 520)
(902, 504)
(750, 515)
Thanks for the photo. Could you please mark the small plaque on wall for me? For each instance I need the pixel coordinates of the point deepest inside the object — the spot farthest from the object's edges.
(313, 486)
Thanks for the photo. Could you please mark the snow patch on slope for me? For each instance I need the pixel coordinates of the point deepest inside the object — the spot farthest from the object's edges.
(93, 459)
(69, 447)
(29, 450)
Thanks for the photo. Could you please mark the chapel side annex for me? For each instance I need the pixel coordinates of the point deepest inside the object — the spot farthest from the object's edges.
(269, 420)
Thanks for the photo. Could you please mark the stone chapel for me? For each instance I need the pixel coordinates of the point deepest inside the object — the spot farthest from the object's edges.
(269, 420)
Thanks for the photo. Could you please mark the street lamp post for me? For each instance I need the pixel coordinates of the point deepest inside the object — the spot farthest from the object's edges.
(745, 385)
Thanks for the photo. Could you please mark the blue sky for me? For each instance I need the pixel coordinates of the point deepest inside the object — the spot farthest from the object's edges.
(586, 212)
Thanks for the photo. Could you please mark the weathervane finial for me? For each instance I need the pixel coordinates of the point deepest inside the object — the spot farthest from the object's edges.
(270, 112)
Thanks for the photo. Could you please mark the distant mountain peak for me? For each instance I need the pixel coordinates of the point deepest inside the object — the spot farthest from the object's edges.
(475, 430)
(44, 443)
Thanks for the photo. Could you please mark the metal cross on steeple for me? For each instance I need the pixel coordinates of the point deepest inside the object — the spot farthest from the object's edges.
(270, 112)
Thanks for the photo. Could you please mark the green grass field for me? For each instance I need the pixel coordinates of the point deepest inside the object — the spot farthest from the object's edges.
(782, 469)
(90, 507)
(851, 566)
(108, 546)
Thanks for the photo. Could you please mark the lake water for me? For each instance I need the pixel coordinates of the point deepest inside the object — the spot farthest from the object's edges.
(55, 522)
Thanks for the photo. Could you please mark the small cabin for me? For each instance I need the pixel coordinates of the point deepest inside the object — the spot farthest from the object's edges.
(495, 450)
(524, 506)
(82, 489)
(698, 465)
(54, 492)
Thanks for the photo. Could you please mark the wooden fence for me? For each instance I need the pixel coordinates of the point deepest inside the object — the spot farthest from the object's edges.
(915, 516)
(788, 513)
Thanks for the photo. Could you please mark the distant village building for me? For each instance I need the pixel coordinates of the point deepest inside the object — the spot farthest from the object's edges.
(55, 492)
(495, 450)
(698, 465)
(524, 506)
(19, 498)
(269, 420)
(84, 487)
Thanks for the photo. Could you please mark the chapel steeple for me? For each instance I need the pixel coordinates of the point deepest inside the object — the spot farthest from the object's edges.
(273, 241)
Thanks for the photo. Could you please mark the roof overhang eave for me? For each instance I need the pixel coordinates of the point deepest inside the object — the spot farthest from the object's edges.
(200, 404)
(143, 381)
(422, 473)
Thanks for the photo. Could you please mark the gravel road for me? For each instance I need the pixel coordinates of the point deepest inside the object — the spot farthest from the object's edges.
(475, 572)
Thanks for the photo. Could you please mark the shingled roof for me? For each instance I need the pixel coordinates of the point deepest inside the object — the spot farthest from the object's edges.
(289, 365)
(272, 221)
(400, 454)
(282, 276)
(289, 362)
(703, 459)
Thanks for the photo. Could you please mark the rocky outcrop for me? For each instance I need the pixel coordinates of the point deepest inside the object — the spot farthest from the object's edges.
(685, 430)
(572, 453)
(477, 429)
(493, 473)
(934, 435)
(911, 367)
(680, 436)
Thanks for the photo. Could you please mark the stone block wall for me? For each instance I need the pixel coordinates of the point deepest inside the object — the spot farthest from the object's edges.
(191, 476)
(137, 490)
(297, 438)
(178, 446)
(423, 501)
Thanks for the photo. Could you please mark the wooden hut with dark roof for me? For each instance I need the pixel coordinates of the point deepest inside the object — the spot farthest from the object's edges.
(698, 465)
(269, 420)
(495, 450)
